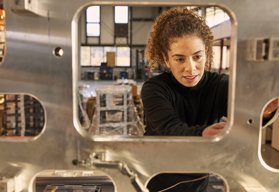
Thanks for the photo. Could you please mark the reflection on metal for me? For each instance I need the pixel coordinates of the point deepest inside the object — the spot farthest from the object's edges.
(262, 49)
(30, 67)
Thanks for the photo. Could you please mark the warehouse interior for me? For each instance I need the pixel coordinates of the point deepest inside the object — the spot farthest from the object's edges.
(112, 42)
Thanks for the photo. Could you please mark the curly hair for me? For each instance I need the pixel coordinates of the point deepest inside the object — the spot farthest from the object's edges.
(176, 23)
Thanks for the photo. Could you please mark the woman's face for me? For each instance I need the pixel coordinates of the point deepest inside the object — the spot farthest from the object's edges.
(186, 60)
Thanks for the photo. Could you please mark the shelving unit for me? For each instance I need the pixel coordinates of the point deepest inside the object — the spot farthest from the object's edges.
(23, 116)
(112, 110)
(115, 112)
(12, 117)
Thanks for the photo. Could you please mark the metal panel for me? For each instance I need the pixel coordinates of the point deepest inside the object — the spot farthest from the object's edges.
(30, 67)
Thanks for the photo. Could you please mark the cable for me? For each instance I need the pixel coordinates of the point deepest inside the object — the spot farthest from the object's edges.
(185, 182)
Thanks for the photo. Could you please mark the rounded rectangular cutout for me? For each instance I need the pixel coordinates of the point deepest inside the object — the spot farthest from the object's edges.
(22, 116)
(225, 46)
(62, 180)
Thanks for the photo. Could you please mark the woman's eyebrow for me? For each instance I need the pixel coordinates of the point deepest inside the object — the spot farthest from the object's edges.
(179, 55)
(198, 52)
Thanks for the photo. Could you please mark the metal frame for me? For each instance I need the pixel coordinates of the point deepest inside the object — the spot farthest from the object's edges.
(75, 49)
(35, 29)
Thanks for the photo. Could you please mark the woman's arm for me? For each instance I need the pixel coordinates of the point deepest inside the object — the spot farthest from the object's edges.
(213, 129)
(270, 114)
(270, 109)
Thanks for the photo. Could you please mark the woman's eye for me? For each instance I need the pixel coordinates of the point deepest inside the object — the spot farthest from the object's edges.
(179, 59)
(197, 57)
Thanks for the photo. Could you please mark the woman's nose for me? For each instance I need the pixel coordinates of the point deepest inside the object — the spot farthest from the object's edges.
(190, 66)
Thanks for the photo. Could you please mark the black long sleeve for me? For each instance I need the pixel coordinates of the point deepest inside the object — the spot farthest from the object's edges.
(173, 109)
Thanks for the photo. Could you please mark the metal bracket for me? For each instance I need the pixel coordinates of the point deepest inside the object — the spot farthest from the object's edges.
(24, 7)
(97, 160)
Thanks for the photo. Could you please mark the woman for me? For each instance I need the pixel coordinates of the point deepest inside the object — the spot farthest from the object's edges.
(188, 100)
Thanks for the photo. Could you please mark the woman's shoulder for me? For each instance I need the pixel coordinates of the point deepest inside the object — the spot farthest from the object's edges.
(215, 74)
(216, 82)
(161, 79)
(214, 77)
(161, 83)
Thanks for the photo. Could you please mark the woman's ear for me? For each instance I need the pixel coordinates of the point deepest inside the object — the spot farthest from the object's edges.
(166, 60)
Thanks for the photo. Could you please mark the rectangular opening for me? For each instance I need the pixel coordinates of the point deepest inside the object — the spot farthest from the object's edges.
(91, 69)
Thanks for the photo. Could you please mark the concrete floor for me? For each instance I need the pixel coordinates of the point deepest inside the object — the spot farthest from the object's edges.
(89, 86)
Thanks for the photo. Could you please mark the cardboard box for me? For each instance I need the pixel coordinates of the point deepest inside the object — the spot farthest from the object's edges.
(90, 107)
(111, 59)
(134, 90)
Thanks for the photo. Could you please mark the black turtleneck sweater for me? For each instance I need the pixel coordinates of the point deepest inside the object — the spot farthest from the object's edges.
(173, 109)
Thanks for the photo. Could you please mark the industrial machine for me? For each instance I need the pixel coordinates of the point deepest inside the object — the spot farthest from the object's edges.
(42, 60)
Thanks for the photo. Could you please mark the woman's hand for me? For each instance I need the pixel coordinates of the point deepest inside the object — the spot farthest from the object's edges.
(270, 108)
(213, 129)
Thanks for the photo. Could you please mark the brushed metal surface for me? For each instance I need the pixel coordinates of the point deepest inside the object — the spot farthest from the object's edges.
(30, 67)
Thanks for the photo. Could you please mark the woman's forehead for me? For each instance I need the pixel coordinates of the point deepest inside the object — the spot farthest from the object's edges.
(177, 39)
(187, 42)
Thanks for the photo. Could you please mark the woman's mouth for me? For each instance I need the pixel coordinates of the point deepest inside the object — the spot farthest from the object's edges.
(190, 79)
